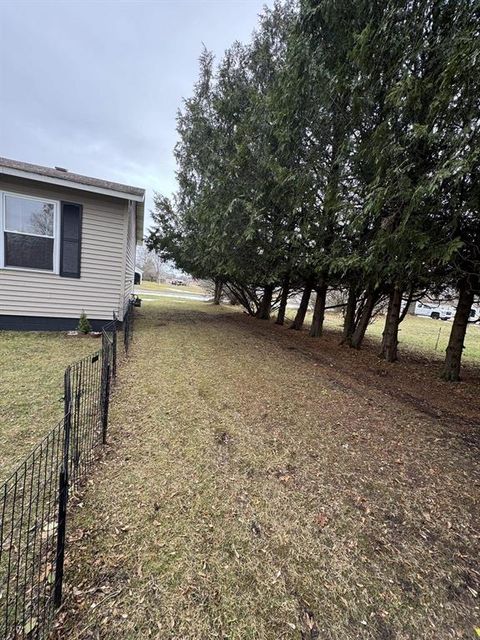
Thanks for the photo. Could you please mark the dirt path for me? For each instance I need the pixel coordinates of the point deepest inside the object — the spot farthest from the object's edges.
(258, 487)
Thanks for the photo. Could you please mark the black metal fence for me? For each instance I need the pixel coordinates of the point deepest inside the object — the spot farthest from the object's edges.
(34, 499)
(128, 324)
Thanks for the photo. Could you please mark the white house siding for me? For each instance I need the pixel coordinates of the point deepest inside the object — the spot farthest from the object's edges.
(100, 289)
(130, 252)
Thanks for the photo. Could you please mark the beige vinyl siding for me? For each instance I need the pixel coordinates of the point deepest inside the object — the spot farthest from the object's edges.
(100, 289)
(130, 252)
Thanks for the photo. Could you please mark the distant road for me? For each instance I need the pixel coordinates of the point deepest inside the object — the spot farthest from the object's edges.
(188, 295)
(183, 295)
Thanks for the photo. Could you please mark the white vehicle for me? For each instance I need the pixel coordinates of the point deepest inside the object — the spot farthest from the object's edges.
(475, 313)
(435, 310)
(439, 311)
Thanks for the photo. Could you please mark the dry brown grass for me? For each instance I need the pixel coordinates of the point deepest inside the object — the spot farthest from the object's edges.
(258, 485)
(32, 365)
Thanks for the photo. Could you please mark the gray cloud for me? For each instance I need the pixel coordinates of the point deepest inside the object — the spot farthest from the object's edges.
(95, 85)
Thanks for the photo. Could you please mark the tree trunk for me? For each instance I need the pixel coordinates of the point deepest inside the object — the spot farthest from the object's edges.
(283, 301)
(359, 333)
(390, 332)
(453, 360)
(244, 296)
(349, 321)
(265, 307)
(319, 311)
(408, 302)
(218, 291)
(303, 308)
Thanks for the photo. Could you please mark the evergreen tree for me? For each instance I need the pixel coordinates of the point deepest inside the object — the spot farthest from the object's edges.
(338, 149)
(84, 325)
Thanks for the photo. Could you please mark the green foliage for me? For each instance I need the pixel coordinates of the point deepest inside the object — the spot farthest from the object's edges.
(340, 145)
(84, 325)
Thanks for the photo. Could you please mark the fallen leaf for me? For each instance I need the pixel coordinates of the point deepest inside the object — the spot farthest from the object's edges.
(322, 520)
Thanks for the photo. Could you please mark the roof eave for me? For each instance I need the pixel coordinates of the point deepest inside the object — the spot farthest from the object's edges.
(73, 185)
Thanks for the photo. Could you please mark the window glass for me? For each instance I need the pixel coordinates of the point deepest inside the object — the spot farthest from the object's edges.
(23, 215)
(30, 252)
(28, 233)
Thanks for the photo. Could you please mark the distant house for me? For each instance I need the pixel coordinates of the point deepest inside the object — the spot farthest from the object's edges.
(67, 244)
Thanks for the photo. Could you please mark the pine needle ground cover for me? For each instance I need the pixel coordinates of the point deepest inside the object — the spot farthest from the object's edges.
(259, 484)
(31, 388)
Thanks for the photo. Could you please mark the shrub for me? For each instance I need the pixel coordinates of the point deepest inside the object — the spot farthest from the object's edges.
(84, 325)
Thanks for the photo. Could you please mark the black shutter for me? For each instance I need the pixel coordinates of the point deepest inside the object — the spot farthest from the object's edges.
(70, 240)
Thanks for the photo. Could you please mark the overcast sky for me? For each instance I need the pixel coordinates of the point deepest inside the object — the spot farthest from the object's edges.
(94, 86)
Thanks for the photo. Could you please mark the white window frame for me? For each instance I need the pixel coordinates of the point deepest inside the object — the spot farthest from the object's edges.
(56, 232)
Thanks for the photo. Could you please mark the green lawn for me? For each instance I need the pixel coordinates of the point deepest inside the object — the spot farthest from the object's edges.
(421, 334)
(261, 485)
(416, 334)
(31, 388)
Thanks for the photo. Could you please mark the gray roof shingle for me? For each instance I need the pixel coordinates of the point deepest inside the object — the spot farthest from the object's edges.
(68, 176)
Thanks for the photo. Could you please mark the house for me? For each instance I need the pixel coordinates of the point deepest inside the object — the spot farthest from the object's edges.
(67, 244)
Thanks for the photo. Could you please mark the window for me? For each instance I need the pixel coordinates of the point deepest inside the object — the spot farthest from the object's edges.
(29, 233)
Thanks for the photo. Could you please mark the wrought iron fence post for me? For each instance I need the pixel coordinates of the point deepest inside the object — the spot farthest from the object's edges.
(106, 400)
(61, 529)
(63, 492)
(67, 391)
(128, 325)
(125, 327)
(114, 346)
